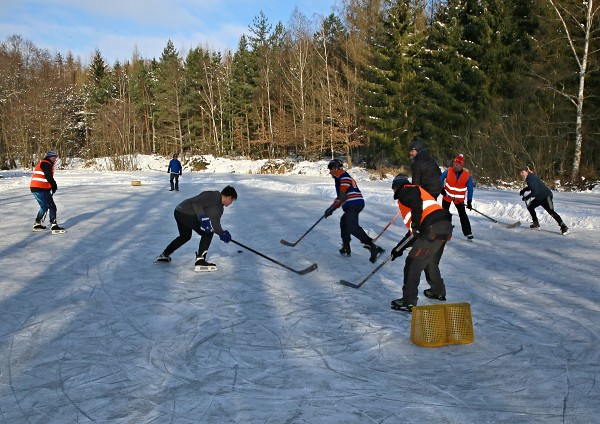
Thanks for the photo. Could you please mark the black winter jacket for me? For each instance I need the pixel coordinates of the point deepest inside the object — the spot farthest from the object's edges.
(426, 173)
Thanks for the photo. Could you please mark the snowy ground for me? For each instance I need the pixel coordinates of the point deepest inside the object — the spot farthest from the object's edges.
(91, 330)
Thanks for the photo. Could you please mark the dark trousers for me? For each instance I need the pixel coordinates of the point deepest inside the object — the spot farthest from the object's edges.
(185, 225)
(425, 255)
(174, 180)
(46, 202)
(548, 205)
(462, 213)
(349, 225)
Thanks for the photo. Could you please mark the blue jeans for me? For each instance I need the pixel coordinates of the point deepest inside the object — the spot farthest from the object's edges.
(46, 201)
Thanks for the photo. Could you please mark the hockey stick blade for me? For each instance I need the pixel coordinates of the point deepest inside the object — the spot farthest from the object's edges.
(514, 224)
(287, 243)
(349, 284)
(307, 270)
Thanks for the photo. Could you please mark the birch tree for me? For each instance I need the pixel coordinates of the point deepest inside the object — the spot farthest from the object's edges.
(580, 27)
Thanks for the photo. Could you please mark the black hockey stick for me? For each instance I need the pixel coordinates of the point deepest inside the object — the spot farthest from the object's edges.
(386, 260)
(513, 225)
(287, 243)
(301, 272)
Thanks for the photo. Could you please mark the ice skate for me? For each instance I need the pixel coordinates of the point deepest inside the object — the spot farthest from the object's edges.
(38, 226)
(202, 265)
(57, 229)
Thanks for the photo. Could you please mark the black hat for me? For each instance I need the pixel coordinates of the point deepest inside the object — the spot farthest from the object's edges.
(335, 163)
(417, 145)
(400, 181)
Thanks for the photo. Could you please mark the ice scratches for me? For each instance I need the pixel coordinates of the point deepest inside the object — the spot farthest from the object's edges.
(62, 389)
(10, 378)
(326, 363)
(511, 353)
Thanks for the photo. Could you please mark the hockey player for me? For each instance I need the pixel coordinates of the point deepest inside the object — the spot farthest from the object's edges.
(350, 199)
(202, 214)
(540, 195)
(425, 170)
(174, 169)
(458, 187)
(431, 226)
(43, 186)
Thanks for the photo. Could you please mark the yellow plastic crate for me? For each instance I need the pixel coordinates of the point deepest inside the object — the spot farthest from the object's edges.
(136, 182)
(441, 325)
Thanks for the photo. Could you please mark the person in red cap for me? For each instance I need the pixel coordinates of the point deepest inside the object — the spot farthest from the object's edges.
(458, 188)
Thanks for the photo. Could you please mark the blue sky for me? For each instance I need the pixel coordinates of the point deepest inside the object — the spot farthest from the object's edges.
(117, 27)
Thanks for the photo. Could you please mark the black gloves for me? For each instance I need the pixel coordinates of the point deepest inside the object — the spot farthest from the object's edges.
(469, 205)
(329, 211)
(397, 251)
(444, 192)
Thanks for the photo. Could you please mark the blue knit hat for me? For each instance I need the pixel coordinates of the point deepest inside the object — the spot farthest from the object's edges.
(51, 154)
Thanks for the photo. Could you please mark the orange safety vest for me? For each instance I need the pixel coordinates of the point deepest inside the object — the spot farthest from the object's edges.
(456, 189)
(429, 205)
(38, 179)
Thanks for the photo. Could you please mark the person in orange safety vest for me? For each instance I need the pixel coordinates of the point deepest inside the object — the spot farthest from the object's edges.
(458, 189)
(430, 227)
(43, 186)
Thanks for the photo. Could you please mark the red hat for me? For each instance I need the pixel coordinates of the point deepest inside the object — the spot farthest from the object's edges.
(460, 159)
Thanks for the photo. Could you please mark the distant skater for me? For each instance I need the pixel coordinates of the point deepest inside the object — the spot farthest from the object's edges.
(43, 186)
(458, 189)
(350, 199)
(174, 171)
(540, 195)
(202, 214)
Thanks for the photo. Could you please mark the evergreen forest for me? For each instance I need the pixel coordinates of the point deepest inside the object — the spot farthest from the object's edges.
(505, 82)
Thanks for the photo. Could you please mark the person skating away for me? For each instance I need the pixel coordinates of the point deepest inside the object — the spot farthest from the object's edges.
(425, 170)
(539, 195)
(458, 188)
(431, 227)
(43, 186)
(174, 169)
(202, 214)
(350, 199)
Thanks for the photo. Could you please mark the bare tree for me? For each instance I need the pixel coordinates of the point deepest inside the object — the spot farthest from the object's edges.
(578, 23)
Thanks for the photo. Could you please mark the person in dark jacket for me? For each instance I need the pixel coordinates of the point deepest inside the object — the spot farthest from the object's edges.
(202, 214)
(350, 199)
(429, 228)
(43, 186)
(539, 195)
(174, 169)
(425, 170)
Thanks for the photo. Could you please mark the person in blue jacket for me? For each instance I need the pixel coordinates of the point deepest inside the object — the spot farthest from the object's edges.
(175, 170)
(539, 195)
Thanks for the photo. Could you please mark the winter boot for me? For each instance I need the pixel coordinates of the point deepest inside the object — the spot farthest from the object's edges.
(403, 305)
(38, 226)
(564, 229)
(535, 225)
(430, 294)
(375, 251)
(163, 257)
(470, 237)
(345, 250)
